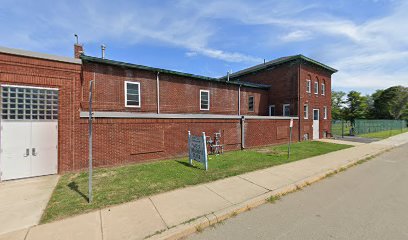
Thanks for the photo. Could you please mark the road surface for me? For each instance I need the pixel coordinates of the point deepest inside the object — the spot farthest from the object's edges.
(368, 201)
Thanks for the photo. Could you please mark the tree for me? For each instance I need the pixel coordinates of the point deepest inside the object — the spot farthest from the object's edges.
(392, 102)
(356, 106)
(337, 103)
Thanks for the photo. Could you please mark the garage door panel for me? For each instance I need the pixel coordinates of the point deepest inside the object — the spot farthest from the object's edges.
(15, 141)
(44, 147)
(29, 136)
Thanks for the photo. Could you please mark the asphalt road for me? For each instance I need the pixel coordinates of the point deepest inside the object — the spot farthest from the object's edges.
(368, 201)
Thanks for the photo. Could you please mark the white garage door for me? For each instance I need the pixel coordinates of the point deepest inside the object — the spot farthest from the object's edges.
(29, 132)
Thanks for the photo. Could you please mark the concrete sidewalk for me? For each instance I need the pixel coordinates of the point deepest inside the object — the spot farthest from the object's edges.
(174, 214)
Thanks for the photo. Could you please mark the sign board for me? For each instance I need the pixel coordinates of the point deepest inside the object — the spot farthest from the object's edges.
(291, 123)
(197, 149)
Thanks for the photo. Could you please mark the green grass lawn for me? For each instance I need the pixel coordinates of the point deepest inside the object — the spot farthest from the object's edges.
(126, 183)
(384, 134)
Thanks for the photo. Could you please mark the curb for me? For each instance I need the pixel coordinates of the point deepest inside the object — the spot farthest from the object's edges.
(197, 225)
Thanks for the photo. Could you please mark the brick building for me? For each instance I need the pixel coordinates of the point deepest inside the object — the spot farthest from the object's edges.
(143, 113)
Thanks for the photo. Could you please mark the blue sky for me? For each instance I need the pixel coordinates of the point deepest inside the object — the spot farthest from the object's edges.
(366, 40)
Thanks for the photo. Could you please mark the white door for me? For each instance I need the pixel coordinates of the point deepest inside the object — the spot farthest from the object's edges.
(15, 149)
(44, 147)
(315, 123)
(29, 132)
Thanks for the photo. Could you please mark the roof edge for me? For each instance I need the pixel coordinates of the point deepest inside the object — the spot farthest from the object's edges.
(86, 58)
(25, 53)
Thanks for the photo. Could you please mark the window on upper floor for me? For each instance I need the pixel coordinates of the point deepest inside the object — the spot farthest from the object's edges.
(316, 87)
(308, 86)
(323, 88)
(251, 103)
(132, 94)
(204, 100)
(286, 110)
(305, 111)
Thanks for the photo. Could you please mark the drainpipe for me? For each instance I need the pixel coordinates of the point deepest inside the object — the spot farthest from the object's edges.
(242, 132)
(158, 92)
(299, 132)
(239, 100)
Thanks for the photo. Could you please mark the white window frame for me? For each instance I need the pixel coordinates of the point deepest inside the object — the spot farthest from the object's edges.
(274, 110)
(306, 113)
(325, 112)
(253, 104)
(283, 110)
(316, 89)
(208, 92)
(140, 93)
(323, 89)
(308, 85)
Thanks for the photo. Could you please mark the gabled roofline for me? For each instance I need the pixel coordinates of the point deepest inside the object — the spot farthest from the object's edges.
(25, 53)
(278, 61)
(86, 58)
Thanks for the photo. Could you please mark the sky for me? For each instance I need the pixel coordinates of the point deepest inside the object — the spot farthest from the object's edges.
(366, 40)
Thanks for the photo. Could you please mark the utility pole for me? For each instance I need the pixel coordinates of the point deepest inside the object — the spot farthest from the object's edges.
(90, 140)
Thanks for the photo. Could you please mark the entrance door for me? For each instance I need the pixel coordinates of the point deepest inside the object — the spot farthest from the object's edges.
(29, 132)
(271, 110)
(315, 123)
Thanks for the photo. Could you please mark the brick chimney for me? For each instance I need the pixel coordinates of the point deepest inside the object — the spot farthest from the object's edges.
(78, 50)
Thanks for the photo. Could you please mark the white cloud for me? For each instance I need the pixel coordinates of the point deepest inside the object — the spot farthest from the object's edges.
(296, 36)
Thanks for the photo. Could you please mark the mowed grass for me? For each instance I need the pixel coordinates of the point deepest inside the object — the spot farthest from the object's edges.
(384, 134)
(126, 183)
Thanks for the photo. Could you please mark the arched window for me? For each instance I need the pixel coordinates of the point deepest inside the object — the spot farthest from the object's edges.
(308, 84)
(323, 87)
(316, 86)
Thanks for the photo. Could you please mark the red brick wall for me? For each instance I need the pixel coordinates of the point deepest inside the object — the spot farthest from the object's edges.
(123, 141)
(262, 132)
(18, 70)
(177, 94)
(283, 81)
(315, 101)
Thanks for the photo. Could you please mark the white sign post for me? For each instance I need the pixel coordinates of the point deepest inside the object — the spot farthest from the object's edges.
(290, 135)
(197, 149)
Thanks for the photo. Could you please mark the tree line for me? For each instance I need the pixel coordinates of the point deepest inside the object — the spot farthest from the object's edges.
(390, 103)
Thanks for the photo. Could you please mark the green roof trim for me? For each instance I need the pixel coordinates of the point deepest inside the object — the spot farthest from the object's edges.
(279, 61)
(86, 58)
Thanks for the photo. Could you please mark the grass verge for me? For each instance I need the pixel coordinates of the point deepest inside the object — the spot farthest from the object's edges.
(384, 134)
(126, 183)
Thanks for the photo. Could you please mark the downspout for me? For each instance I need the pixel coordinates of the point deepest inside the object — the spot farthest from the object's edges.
(299, 132)
(239, 100)
(242, 132)
(158, 92)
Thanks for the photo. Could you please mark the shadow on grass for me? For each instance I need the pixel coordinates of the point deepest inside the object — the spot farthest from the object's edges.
(74, 187)
(187, 164)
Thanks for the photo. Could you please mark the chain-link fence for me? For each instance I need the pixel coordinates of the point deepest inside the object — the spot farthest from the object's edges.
(364, 126)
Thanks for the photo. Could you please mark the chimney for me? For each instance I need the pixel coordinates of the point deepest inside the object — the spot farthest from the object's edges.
(103, 48)
(78, 50)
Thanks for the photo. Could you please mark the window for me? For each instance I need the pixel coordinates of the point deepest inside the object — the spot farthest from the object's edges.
(305, 111)
(286, 109)
(308, 86)
(325, 112)
(251, 103)
(271, 110)
(323, 88)
(26, 103)
(204, 100)
(132, 94)
(316, 87)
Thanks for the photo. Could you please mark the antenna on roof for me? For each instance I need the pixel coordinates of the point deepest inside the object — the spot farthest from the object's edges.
(103, 48)
(264, 61)
(76, 37)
